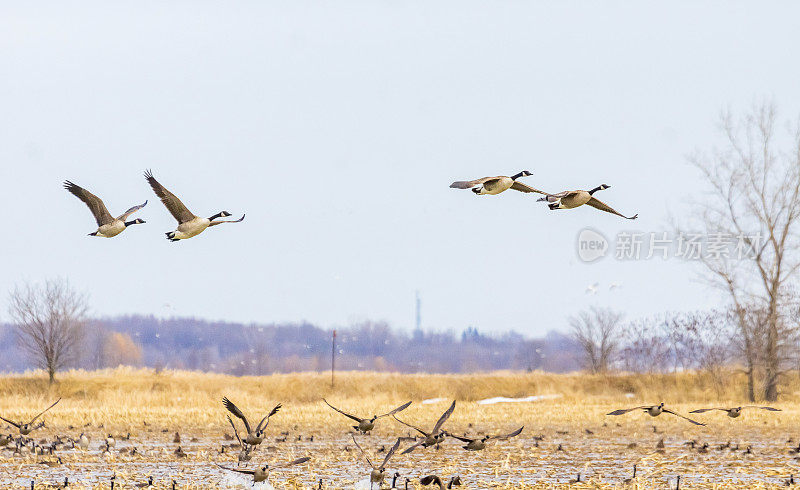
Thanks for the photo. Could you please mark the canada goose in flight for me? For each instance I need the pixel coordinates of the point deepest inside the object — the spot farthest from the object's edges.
(573, 199)
(378, 473)
(244, 453)
(476, 444)
(435, 480)
(496, 185)
(108, 226)
(366, 425)
(262, 473)
(26, 429)
(653, 411)
(433, 437)
(736, 411)
(189, 225)
(254, 436)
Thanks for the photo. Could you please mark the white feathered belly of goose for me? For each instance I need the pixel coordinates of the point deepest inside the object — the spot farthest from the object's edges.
(191, 228)
(111, 229)
(501, 185)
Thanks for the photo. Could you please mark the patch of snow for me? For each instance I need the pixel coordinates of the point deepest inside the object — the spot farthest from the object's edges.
(433, 400)
(532, 398)
(236, 480)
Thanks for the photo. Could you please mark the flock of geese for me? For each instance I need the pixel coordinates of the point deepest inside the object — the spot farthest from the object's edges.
(364, 425)
(253, 435)
(191, 225)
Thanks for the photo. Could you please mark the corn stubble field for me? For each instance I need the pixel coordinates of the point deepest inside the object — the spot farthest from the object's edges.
(563, 438)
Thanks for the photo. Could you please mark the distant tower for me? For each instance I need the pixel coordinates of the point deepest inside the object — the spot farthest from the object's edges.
(418, 314)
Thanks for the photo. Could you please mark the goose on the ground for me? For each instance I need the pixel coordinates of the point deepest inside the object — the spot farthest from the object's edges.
(107, 225)
(736, 411)
(254, 436)
(27, 428)
(433, 437)
(435, 480)
(378, 473)
(367, 424)
(189, 224)
(653, 411)
(496, 185)
(574, 199)
(476, 444)
(262, 473)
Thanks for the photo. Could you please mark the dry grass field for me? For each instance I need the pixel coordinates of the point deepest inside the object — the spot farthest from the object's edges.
(564, 436)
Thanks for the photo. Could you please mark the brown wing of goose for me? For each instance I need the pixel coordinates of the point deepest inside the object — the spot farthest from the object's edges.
(412, 426)
(468, 184)
(95, 204)
(519, 186)
(362, 452)
(555, 197)
(771, 409)
(681, 416)
(292, 463)
(598, 204)
(508, 436)
(45, 410)
(412, 447)
(446, 415)
(232, 408)
(465, 439)
(214, 223)
(266, 417)
(10, 422)
(246, 472)
(124, 216)
(343, 413)
(703, 410)
(235, 432)
(396, 410)
(389, 455)
(172, 203)
(622, 411)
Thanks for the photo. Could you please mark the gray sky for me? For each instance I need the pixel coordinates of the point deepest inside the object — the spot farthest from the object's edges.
(338, 126)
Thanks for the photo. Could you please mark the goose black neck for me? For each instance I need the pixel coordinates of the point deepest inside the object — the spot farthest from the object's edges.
(134, 222)
(598, 188)
(516, 176)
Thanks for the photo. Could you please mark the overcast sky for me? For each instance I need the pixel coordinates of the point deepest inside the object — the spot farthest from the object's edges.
(338, 126)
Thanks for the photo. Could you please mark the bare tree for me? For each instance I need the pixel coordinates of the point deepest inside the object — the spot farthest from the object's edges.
(49, 322)
(753, 200)
(597, 332)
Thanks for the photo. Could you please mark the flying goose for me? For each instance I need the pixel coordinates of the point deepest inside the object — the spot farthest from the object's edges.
(262, 473)
(476, 444)
(366, 425)
(26, 429)
(736, 411)
(254, 436)
(83, 441)
(573, 199)
(244, 453)
(433, 437)
(496, 185)
(189, 225)
(108, 226)
(653, 411)
(435, 480)
(378, 473)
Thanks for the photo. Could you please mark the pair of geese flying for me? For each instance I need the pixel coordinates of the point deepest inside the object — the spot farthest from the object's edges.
(656, 410)
(189, 224)
(561, 200)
